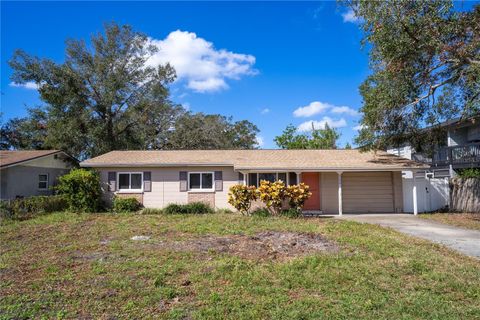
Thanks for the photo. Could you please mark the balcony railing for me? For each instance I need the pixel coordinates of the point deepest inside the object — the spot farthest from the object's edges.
(463, 155)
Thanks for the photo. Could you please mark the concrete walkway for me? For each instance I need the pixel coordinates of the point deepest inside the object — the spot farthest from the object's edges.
(463, 240)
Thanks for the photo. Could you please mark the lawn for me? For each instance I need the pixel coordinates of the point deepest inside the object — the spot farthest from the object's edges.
(227, 266)
(464, 220)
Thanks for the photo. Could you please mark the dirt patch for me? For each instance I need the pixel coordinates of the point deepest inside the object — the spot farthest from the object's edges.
(268, 245)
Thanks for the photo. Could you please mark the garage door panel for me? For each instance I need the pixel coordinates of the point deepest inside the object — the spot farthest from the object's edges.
(367, 192)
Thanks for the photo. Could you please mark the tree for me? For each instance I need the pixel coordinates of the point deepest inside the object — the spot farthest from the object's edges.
(201, 131)
(325, 138)
(348, 146)
(104, 96)
(425, 58)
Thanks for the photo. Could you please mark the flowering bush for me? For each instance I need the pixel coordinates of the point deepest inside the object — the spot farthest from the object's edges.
(297, 195)
(273, 195)
(241, 197)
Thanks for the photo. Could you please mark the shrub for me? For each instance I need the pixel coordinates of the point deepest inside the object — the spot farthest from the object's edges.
(291, 213)
(297, 195)
(469, 173)
(126, 204)
(273, 195)
(81, 189)
(261, 212)
(190, 208)
(151, 211)
(27, 208)
(241, 197)
(224, 210)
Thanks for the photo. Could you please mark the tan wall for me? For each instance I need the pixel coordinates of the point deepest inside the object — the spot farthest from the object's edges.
(166, 185)
(329, 192)
(397, 191)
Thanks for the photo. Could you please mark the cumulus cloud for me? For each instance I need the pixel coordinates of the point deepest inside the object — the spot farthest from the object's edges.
(307, 125)
(260, 141)
(313, 108)
(317, 107)
(27, 85)
(199, 63)
(346, 110)
(265, 111)
(349, 16)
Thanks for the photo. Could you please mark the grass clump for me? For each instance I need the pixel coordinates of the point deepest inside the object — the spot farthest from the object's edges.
(151, 211)
(27, 208)
(190, 208)
(126, 204)
(261, 212)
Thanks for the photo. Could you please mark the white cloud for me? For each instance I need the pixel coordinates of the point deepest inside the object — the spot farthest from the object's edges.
(27, 85)
(196, 61)
(346, 110)
(307, 125)
(359, 127)
(313, 108)
(349, 16)
(265, 111)
(260, 141)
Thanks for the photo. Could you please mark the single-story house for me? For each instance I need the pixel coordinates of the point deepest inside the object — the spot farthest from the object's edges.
(341, 181)
(31, 172)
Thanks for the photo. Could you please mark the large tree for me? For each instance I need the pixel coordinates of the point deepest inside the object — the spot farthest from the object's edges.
(425, 61)
(322, 138)
(105, 96)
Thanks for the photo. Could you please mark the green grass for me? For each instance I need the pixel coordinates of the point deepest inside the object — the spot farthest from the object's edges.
(72, 266)
(464, 220)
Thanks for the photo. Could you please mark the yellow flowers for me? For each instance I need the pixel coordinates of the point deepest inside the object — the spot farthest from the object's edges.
(275, 195)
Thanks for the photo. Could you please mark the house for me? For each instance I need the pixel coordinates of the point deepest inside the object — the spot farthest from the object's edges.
(31, 172)
(341, 181)
(460, 149)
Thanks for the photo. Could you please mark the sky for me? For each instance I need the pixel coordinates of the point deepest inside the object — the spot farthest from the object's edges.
(272, 63)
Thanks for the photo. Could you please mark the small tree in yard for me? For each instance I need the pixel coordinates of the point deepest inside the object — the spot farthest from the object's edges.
(81, 189)
(272, 194)
(241, 197)
(297, 195)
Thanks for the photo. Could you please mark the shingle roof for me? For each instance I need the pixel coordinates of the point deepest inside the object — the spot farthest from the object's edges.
(257, 159)
(8, 157)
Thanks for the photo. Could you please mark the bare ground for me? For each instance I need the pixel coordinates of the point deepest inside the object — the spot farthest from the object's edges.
(268, 245)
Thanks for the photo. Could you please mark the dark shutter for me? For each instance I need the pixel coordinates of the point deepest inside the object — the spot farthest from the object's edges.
(183, 177)
(112, 181)
(218, 180)
(147, 181)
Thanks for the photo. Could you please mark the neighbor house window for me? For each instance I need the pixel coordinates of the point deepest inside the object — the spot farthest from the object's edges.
(200, 180)
(42, 181)
(130, 181)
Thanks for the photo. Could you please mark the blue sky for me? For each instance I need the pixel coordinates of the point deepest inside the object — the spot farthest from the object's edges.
(270, 63)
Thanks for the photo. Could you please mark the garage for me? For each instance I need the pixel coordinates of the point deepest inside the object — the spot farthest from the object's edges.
(371, 192)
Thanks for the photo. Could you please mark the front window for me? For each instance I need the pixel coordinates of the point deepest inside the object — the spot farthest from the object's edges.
(43, 181)
(255, 178)
(130, 181)
(200, 180)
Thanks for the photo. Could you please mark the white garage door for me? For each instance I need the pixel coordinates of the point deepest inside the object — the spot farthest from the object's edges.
(365, 192)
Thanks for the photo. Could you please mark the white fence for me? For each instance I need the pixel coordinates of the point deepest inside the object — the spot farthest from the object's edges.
(432, 193)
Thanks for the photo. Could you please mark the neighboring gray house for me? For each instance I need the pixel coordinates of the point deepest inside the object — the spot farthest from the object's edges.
(31, 172)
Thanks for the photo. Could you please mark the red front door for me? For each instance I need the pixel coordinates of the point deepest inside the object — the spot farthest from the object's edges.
(312, 179)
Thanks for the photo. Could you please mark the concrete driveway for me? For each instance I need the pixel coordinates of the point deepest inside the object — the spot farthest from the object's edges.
(463, 240)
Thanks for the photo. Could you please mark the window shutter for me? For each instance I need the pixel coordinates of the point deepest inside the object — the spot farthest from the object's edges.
(183, 177)
(147, 181)
(218, 180)
(112, 181)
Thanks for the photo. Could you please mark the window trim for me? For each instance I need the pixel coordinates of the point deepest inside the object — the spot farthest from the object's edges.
(201, 189)
(129, 182)
(47, 181)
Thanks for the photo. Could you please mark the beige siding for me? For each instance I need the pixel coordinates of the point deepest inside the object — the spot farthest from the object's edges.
(367, 192)
(166, 185)
(329, 192)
